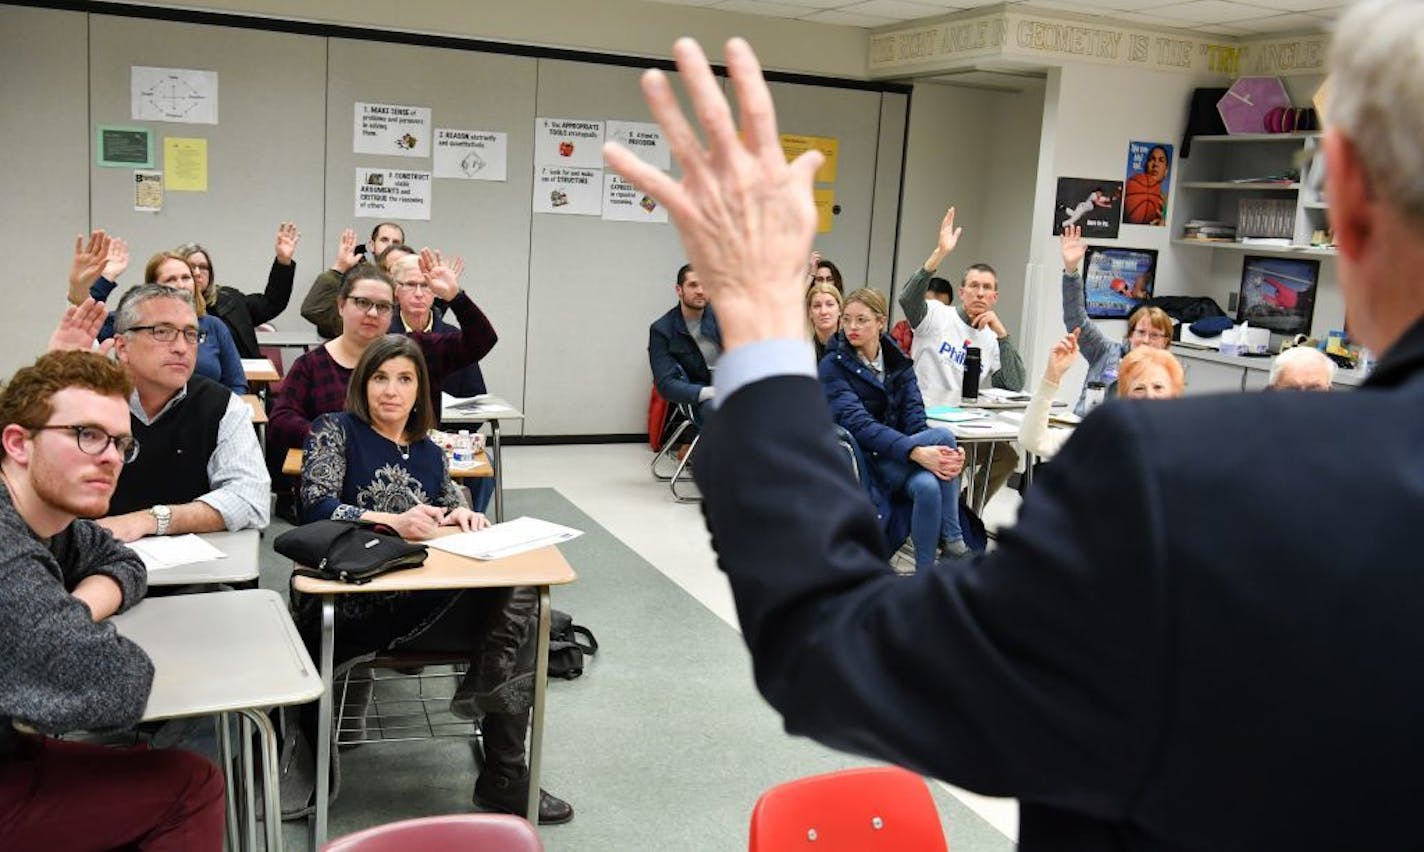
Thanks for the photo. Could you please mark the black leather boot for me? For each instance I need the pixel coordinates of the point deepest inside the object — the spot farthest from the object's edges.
(502, 678)
(503, 784)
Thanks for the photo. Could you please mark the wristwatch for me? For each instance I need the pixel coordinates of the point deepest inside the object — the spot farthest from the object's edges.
(163, 515)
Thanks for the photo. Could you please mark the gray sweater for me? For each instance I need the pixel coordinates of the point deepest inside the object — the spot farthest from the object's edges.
(60, 670)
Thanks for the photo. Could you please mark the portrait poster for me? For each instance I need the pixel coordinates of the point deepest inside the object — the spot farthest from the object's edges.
(1278, 293)
(1092, 204)
(391, 129)
(470, 154)
(1149, 177)
(392, 194)
(568, 191)
(570, 143)
(1117, 280)
(624, 202)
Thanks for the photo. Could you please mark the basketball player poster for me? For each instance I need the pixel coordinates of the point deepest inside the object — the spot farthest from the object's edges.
(1091, 204)
(1149, 175)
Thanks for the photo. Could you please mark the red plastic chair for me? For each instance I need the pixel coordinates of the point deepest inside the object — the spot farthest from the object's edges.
(455, 831)
(855, 810)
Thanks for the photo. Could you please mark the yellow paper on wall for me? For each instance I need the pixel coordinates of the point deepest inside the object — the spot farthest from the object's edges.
(185, 164)
(793, 145)
(825, 200)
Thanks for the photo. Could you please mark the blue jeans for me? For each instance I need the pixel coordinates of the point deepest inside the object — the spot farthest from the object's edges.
(935, 514)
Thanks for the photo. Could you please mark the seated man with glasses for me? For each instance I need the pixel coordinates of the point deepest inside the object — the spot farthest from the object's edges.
(203, 471)
(316, 383)
(65, 438)
(1147, 326)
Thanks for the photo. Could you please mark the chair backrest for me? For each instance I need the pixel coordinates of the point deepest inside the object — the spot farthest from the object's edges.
(855, 810)
(439, 833)
(854, 455)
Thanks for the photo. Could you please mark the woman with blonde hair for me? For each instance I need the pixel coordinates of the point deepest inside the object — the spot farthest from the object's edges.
(823, 314)
(913, 470)
(1144, 373)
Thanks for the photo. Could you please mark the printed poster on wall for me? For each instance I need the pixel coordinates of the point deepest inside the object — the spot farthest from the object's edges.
(559, 189)
(644, 139)
(1093, 205)
(470, 154)
(1149, 174)
(173, 94)
(392, 194)
(794, 145)
(624, 202)
(570, 142)
(124, 146)
(392, 130)
(825, 209)
(148, 191)
(185, 162)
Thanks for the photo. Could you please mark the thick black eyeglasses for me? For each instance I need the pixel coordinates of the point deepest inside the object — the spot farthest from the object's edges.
(168, 333)
(365, 306)
(94, 441)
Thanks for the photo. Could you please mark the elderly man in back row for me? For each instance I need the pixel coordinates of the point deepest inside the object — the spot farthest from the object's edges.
(204, 470)
(1302, 368)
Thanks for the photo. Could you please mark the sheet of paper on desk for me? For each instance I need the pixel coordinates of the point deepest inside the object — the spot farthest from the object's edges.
(506, 539)
(954, 414)
(482, 404)
(169, 551)
(1001, 395)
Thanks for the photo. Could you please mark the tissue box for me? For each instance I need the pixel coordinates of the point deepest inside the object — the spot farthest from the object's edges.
(1242, 340)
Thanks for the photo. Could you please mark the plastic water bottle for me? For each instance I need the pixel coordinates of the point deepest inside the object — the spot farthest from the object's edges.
(1097, 391)
(464, 450)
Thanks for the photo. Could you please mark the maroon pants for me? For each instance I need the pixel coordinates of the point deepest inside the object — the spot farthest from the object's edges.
(58, 795)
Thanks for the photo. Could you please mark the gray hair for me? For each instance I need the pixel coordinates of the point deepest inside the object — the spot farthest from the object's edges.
(127, 316)
(1301, 358)
(1377, 96)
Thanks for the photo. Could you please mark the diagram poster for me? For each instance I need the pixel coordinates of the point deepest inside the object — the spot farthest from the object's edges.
(125, 146)
(623, 202)
(1149, 174)
(173, 94)
(644, 139)
(148, 191)
(392, 194)
(470, 154)
(570, 142)
(392, 130)
(794, 145)
(560, 189)
(185, 162)
(1091, 204)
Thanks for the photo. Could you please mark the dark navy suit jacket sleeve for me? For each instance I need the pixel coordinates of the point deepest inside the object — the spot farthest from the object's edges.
(1036, 671)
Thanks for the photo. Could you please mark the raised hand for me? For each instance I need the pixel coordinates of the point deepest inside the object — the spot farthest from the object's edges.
(79, 327)
(948, 234)
(1074, 247)
(1061, 356)
(118, 259)
(443, 281)
(346, 256)
(813, 264)
(88, 263)
(746, 217)
(287, 237)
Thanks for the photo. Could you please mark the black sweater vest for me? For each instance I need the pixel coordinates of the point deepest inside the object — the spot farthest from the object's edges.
(172, 463)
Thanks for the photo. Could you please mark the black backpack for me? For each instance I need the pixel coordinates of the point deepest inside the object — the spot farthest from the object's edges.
(568, 644)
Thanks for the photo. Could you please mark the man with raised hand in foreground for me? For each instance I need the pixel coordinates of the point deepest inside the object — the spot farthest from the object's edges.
(1164, 653)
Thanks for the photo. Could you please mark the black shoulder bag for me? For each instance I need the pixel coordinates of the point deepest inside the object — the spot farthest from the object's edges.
(347, 551)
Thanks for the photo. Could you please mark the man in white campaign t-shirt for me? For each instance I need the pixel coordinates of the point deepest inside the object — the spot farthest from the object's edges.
(942, 333)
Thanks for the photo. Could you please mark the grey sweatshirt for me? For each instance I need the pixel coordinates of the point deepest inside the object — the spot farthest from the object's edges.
(61, 671)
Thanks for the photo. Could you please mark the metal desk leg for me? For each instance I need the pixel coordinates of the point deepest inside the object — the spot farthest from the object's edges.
(225, 755)
(271, 788)
(983, 496)
(541, 680)
(498, 475)
(323, 722)
(244, 731)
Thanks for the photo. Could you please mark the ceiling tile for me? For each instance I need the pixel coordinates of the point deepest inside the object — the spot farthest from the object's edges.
(1206, 12)
(1290, 23)
(764, 7)
(847, 19)
(900, 10)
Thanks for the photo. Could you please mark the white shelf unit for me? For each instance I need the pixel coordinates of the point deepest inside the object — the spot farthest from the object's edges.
(1215, 179)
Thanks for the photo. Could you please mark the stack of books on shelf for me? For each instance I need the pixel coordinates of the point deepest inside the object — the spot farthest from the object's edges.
(1209, 230)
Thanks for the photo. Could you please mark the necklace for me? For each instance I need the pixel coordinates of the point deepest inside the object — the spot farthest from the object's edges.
(404, 450)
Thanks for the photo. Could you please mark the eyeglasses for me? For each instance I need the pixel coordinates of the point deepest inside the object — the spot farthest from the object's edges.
(415, 285)
(1155, 336)
(365, 306)
(858, 321)
(94, 441)
(168, 334)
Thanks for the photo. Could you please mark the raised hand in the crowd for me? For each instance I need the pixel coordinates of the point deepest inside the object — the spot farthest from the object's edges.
(1074, 247)
(1061, 357)
(346, 256)
(79, 328)
(88, 263)
(287, 237)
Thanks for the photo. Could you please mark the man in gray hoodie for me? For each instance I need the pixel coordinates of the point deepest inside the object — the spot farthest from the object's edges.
(64, 437)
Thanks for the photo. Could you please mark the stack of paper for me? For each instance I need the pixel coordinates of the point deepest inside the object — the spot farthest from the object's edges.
(506, 539)
(169, 551)
(954, 414)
